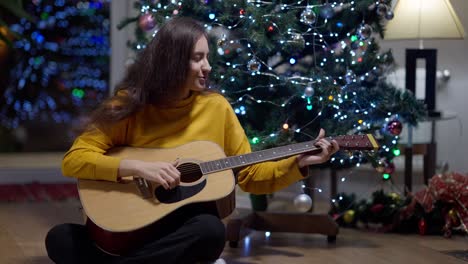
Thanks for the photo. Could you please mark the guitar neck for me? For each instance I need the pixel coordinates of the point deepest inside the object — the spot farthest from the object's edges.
(346, 142)
(235, 162)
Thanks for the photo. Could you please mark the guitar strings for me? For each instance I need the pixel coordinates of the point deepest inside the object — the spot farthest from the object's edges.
(197, 169)
(193, 169)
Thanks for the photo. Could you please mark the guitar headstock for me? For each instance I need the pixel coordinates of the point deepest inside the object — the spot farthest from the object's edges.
(356, 142)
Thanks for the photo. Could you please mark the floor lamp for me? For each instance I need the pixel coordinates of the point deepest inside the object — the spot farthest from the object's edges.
(419, 20)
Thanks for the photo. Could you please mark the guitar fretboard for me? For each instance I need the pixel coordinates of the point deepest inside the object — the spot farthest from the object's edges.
(257, 157)
(346, 142)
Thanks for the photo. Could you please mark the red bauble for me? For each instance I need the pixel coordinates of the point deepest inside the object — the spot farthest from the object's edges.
(377, 208)
(395, 127)
(422, 227)
(146, 22)
(389, 168)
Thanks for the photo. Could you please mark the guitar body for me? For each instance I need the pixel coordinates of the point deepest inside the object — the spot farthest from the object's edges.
(120, 218)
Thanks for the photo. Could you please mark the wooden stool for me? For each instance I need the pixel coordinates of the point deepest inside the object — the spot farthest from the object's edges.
(294, 222)
(281, 222)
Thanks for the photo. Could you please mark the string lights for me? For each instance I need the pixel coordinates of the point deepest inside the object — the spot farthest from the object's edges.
(61, 62)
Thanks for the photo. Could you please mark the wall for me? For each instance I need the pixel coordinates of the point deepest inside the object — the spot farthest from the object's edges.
(119, 50)
(451, 135)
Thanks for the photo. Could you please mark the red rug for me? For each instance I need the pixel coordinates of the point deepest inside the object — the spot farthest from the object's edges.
(37, 192)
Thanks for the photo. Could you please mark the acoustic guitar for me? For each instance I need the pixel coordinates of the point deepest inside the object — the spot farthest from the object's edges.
(123, 215)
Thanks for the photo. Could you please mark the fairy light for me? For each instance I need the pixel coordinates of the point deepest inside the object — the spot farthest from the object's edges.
(61, 69)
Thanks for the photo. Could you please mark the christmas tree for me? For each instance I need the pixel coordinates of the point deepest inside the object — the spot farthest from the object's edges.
(291, 67)
(56, 63)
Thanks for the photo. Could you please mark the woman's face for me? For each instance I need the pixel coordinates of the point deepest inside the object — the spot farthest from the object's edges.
(199, 67)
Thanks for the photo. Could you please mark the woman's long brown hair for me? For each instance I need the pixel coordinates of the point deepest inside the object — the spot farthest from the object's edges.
(158, 75)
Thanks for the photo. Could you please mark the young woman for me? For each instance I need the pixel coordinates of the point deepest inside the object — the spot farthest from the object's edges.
(162, 103)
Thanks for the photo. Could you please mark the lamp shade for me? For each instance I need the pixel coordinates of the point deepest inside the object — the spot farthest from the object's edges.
(424, 19)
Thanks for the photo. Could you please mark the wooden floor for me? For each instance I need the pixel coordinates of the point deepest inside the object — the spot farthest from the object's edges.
(23, 227)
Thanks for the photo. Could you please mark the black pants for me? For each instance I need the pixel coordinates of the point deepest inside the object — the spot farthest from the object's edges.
(199, 238)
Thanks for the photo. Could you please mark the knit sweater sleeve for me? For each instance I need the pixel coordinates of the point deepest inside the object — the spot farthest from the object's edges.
(261, 178)
(86, 158)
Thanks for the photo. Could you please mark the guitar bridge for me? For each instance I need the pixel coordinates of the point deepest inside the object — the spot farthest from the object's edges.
(144, 186)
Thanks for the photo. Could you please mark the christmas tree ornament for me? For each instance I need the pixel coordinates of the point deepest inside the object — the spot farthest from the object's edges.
(452, 214)
(298, 39)
(146, 22)
(395, 127)
(254, 65)
(382, 9)
(327, 11)
(389, 168)
(348, 216)
(309, 90)
(364, 31)
(272, 28)
(308, 16)
(377, 208)
(222, 41)
(303, 203)
(295, 43)
(350, 77)
(389, 15)
(395, 196)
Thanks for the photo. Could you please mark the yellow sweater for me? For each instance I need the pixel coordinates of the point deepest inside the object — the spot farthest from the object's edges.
(199, 117)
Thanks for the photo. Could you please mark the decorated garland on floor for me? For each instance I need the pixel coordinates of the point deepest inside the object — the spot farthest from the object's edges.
(439, 209)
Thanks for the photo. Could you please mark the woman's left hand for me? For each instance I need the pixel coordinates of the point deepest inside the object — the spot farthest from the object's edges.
(328, 148)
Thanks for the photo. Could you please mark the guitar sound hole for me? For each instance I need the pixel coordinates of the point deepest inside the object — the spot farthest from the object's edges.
(189, 172)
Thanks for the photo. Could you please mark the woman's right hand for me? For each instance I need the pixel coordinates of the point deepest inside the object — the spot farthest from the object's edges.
(159, 172)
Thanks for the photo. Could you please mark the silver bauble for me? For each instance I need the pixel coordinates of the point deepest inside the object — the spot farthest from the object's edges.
(254, 65)
(382, 9)
(303, 203)
(309, 90)
(297, 38)
(364, 31)
(327, 11)
(389, 15)
(350, 77)
(308, 17)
